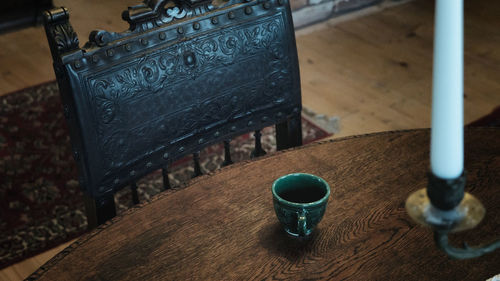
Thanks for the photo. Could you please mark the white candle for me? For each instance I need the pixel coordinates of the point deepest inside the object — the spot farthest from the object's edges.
(447, 141)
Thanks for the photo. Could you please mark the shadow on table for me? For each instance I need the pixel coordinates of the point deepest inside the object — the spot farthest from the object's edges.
(274, 239)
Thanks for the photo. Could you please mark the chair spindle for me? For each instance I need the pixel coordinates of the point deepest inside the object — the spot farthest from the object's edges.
(258, 150)
(135, 196)
(197, 168)
(227, 153)
(166, 180)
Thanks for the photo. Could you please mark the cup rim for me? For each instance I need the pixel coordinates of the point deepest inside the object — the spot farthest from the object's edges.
(295, 204)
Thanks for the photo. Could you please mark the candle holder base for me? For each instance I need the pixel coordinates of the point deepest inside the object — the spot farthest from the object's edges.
(465, 216)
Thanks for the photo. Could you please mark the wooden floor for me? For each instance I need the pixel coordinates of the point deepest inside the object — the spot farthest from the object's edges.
(373, 72)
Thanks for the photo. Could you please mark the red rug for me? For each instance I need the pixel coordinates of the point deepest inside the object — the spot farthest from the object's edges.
(40, 199)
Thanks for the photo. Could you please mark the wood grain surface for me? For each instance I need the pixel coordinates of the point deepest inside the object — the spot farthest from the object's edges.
(222, 226)
(374, 72)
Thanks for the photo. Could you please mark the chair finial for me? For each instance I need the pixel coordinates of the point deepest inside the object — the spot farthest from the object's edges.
(60, 34)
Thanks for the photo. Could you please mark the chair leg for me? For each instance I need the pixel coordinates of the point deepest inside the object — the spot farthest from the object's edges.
(99, 210)
(289, 133)
(295, 131)
(282, 135)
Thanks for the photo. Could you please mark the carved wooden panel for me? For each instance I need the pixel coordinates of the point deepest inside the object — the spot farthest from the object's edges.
(150, 95)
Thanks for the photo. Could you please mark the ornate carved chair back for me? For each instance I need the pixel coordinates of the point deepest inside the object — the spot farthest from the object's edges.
(183, 76)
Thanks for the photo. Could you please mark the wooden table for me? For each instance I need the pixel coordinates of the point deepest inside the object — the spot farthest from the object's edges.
(223, 227)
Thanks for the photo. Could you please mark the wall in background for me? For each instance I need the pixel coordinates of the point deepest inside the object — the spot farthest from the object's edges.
(306, 12)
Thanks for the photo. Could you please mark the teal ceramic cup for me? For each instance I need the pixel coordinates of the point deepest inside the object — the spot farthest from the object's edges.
(300, 202)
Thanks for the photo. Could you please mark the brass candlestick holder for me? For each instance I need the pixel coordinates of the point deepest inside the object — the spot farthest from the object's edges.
(446, 208)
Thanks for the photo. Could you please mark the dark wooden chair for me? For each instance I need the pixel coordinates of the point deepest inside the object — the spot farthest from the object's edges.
(185, 75)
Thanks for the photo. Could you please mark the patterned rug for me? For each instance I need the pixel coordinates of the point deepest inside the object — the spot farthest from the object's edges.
(40, 200)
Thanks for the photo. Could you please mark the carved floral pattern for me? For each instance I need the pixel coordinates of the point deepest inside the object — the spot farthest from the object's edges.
(134, 102)
(65, 37)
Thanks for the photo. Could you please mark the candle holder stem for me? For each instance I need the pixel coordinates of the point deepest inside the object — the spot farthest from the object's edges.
(467, 252)
(445, 207)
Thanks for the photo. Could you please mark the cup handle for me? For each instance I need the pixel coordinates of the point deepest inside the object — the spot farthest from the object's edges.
(301, 223)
